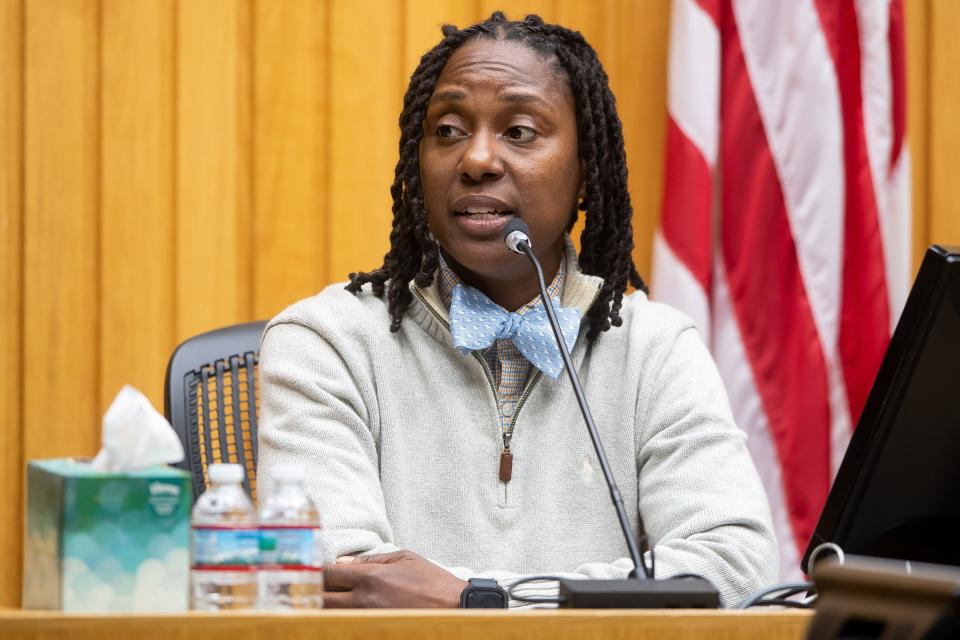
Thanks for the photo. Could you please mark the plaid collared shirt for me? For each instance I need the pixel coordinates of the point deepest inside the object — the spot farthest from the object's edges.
(509, 367)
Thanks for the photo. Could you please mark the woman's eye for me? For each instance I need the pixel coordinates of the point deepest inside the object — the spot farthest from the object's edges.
(448, 131)
(520, 133)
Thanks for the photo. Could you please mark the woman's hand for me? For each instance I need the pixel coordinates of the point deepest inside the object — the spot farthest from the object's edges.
(399, 579)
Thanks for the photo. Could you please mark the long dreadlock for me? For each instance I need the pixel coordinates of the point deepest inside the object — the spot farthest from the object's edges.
(606, 243)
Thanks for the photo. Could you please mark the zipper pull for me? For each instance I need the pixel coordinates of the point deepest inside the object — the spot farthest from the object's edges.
(506, 465)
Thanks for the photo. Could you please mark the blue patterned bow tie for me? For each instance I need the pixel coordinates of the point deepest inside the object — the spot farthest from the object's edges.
(476, 322)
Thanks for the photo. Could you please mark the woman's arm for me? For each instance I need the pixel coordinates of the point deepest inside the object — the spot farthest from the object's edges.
(701, 498)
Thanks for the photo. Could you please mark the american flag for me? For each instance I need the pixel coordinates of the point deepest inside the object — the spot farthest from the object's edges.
(786, 222)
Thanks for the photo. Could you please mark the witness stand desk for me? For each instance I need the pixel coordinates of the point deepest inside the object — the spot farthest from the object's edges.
(409, 624)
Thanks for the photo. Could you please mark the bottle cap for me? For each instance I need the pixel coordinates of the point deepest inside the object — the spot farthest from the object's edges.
(289, 472)
(221, 473)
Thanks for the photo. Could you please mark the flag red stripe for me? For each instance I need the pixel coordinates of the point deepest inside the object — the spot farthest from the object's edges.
(712, 8)
(768, 296)
(898, 75)
(864, 306)
(686, 223)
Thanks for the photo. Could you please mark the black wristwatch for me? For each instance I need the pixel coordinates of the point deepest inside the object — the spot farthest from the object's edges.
(483, 593)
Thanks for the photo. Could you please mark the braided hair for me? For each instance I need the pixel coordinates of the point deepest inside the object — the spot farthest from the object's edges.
(606, 243)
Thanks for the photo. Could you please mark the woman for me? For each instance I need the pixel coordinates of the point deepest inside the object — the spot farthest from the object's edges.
(437, 454)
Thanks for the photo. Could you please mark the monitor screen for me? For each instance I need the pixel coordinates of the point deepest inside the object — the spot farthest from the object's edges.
(897, 492)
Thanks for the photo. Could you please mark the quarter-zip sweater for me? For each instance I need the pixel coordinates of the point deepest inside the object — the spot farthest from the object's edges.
(400, 435)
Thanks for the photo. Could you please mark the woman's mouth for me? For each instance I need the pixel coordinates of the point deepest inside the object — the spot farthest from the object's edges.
(482, 212)
(482, 221)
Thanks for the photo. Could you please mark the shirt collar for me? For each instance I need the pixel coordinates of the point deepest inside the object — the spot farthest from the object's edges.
(579, 291)
(447, 279)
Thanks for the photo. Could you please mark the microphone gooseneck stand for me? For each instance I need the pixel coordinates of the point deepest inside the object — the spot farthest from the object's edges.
(638, 564)
(639, 590)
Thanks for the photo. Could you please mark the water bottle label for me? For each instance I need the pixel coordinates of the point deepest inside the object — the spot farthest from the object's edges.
(226, 547)
(291, 547)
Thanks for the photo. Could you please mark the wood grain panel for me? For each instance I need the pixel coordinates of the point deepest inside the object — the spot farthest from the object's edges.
(136, 229)
(214, 265)
(290, 162)
(596, 21)
(421, 26)
(61, 222)
(366, 92)
(640, 84)
(11, 226)
(918, 121)
(944, 97)
(415, 625)
(517, 9)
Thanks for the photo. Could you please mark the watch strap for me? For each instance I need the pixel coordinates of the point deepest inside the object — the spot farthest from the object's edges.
(485, 593)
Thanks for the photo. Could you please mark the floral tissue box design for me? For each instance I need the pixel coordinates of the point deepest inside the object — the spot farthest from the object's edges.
(99, 541)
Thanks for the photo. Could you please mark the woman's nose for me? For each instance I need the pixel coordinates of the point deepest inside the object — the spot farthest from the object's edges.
(480, 161)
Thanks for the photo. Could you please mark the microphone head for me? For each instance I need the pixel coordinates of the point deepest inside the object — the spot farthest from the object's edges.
(516, 232)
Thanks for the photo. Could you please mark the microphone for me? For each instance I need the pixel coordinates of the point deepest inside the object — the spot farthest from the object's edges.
(516, 232)
(639, 590)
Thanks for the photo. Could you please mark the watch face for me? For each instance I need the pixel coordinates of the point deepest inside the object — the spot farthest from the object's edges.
(485, 600)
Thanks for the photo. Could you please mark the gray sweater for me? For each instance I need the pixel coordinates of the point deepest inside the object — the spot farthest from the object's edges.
(400, 436)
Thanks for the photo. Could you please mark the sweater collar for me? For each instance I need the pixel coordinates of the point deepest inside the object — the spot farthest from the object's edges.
(579, 291)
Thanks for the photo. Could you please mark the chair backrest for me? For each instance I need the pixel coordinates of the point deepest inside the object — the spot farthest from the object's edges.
(211, 398)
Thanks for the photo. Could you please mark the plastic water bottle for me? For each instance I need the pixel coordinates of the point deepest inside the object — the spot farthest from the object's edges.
(291, 545)
(225, 543)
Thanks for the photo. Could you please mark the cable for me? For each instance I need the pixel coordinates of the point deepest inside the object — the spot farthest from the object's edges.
(782, 602)
(687, 575)
(793, 587)
(535, 599)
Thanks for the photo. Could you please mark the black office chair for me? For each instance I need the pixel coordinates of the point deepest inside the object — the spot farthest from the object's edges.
(211, 397)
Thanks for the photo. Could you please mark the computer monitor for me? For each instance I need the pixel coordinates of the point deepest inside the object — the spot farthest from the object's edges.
(897, 492)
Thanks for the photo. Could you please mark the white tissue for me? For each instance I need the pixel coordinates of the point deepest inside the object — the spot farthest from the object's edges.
(135, 435)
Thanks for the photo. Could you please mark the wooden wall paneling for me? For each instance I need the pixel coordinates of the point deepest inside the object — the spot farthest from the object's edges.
(291, 211)
(137, 215)
(918, 120)
(422, 20)
(944, 102)
(593, 21)
(596, 21)
(61, 223)
(517, 9)
(640, 85)
(366, 95)
(11, 225)
(214, 263)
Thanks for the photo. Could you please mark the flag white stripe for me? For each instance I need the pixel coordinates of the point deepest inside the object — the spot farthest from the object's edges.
(675, 285)
(897, 230)
(876, 86)
(693, 92)
(891, 189)
(795, 84)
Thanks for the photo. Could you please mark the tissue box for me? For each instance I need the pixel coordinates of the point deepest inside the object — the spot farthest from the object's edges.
(99, 541)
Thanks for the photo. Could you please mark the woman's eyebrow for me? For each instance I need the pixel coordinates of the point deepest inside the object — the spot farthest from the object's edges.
(448, 95)
(523, 97)
(455, 95)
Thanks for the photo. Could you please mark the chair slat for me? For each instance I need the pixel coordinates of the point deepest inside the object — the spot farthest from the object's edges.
(195, 450)
(224, 453)
(252, 397)
(205, 426)
(238, 421)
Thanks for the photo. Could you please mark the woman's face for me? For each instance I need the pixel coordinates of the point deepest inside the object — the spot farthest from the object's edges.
(500, 140)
